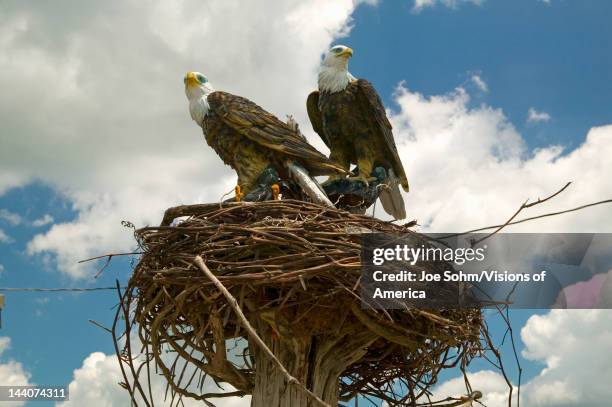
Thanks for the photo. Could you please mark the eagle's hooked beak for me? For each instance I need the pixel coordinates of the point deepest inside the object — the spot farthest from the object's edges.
(191, 80)
(348, 52)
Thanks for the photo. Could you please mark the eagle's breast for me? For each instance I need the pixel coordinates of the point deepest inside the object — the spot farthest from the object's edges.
(222, 138)
(244, 155)
(341, 115)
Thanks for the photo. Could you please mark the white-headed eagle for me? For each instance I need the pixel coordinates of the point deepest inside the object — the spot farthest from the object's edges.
(250, 140)
(349, 116)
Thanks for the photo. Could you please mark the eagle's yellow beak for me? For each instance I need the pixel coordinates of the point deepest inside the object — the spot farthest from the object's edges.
(348, 52)
(191, 80)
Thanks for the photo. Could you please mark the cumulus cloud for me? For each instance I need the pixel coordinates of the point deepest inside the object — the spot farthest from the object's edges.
(492, 385)
(573, 346)
(13, 219)
(96, 383)
(480, 83)
(110, 106)
(534, 116)
(11, 373)
(129, 150)
(421, 4)
(45, 220)
(470, 167)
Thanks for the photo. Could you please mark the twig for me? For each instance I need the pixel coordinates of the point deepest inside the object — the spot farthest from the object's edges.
(546, 215)
(516, 358)
(56, 289)
(450, 402)
(100, 326)
(523, 206)
(128, 387)
(109, 255)
(253, 334)
(539, 201)
(497, 354)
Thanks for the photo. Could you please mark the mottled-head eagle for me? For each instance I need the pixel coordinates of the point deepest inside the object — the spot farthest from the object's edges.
(350, 118)
(250, 140)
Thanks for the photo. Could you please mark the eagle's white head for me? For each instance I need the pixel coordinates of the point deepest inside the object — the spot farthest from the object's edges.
(197, 88)
(333, 73)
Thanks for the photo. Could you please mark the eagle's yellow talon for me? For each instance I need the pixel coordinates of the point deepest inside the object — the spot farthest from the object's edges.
(275, 191)
(364, 179)
(238, 193)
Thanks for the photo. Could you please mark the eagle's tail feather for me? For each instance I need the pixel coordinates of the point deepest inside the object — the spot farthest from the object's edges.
(308, 184)
(391, 197)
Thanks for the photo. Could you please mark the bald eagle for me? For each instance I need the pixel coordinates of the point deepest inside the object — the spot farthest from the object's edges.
(349, 116)
(250, 140)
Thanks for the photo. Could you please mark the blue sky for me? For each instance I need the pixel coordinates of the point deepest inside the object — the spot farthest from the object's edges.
(50, 332)
(554, 57)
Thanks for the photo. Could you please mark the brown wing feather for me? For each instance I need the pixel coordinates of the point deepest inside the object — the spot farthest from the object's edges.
(314, 114)
(267, 130)
(374, 108)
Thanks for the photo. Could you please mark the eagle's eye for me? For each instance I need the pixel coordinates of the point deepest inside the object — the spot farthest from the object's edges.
(336, 50)
(202, 79)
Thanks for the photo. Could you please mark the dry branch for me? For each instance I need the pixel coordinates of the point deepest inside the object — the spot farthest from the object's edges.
(525, 205)
(253, 334)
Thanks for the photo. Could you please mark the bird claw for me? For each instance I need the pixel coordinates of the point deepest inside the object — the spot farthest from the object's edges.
(275, 192)
(362, 178)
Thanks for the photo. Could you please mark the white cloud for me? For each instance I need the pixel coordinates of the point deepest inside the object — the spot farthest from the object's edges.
(575, 346)
(492, 385)
(4, 238)
(12, 373)
(421, 4)
(117, 120)
(469, 167)
(144, 154)
(12, 218)
(533, 116)
(480, 83)
(96, 383)
(45, 220)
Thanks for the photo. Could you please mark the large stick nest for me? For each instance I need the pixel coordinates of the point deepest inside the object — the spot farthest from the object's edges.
(297, 266)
